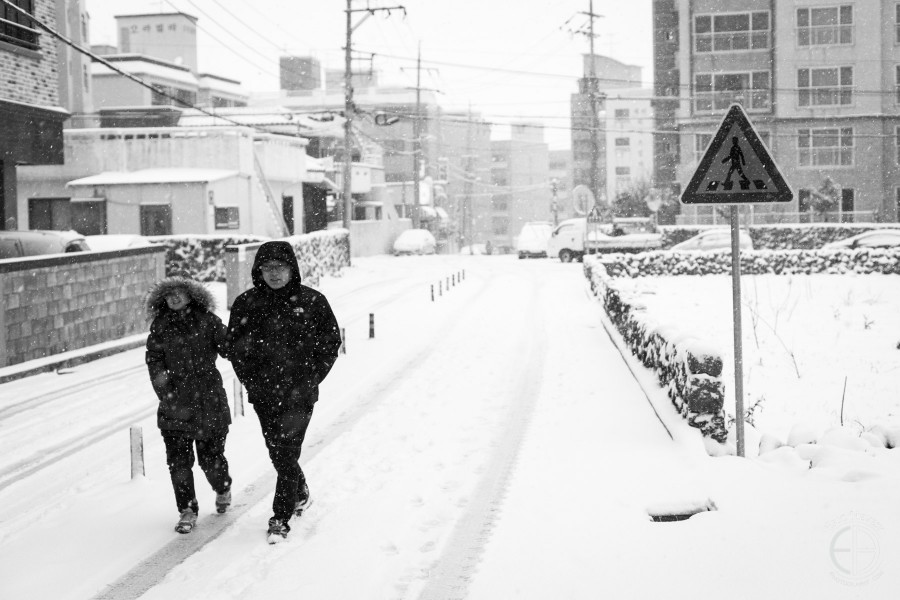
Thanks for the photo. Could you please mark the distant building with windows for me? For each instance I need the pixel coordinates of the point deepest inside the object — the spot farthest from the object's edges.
(161, 49)
(519, 187)
(629, 140)
(820, 81)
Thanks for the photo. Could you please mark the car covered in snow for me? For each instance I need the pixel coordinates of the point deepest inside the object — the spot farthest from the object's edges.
(532, 239)
(714, 239)
(415, 241)
(36, 242)
(877, 238)
(116, 241)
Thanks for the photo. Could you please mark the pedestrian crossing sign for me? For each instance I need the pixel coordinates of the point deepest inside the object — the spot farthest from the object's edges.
(736, 168)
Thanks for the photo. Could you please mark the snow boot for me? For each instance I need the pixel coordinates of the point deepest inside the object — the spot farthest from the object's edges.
(278, 531)
(303, 500)
(187, 521)
(223, 501)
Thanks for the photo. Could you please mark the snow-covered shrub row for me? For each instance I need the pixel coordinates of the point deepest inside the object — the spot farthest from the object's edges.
(687, 368)
(321, 253)
(202, 256)
(776, 237)
(754, 262)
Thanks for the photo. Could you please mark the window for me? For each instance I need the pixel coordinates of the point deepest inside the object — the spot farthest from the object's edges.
(897, 24)
(623, 171)
(825, 87)
(825, 26)
(500, 225)
(164, 95)
(717, 91)
(16, 28)
(228, 217)
(825, 147)
(701, 142)
(156, 219)
(623, 141)
(621, 113)
(804, 200)
(500, 202)
(897, 82)
(731, 32)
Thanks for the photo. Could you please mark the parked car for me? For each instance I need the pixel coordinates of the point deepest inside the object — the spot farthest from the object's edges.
(415, 241)
(877, 238)
(35, 242)
(624, 234)
(714, 239)
(532, 240)
(118, 241)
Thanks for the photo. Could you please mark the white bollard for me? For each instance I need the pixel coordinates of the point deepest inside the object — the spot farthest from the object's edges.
(238, 398)
(137, 452)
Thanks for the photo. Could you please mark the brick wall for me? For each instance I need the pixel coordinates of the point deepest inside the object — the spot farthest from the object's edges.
(65, 302)
(32, 76)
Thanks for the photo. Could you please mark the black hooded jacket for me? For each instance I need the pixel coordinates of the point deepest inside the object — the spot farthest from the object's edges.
(181, 358)
(282, 342)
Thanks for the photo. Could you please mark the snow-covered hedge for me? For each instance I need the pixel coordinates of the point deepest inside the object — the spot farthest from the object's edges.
(202, 257)
(686, 367)
(754, 262)
(321, 253)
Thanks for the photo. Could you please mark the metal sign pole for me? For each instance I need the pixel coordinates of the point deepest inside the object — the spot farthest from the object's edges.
(736, 306)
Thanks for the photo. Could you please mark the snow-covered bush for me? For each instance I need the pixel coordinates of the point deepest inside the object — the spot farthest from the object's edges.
(755, 262)
(202, 257)
(687, 368)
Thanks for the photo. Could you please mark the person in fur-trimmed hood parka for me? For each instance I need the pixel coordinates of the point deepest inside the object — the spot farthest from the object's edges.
(185, 338)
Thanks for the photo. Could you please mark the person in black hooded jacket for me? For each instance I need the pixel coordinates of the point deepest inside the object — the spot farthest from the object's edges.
(185, 337)
(282, 340)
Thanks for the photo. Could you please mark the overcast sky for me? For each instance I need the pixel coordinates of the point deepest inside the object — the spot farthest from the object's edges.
(508, 58)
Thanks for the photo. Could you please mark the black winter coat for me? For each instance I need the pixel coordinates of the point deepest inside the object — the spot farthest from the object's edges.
(282, 342)
(181, 358)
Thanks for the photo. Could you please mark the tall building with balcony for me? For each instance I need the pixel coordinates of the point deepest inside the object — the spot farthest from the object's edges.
(820, 79)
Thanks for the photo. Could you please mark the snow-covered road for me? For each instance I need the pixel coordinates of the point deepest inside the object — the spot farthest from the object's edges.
(491, 443)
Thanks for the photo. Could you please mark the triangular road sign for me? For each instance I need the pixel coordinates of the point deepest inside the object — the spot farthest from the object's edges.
(736, 168)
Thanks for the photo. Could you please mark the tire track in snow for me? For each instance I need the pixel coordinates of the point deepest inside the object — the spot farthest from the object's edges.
(151, 571)
(463, 549)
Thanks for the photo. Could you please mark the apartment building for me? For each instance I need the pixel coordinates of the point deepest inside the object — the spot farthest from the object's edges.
(31, 119)
(629, 140)
(520, 187)
(820, 79)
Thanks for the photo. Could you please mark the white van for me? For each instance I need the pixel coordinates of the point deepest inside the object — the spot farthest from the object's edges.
(567, 240)
(532, 240)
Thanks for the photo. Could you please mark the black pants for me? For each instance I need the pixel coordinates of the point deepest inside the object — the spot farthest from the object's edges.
(284, 428)
(180, 458)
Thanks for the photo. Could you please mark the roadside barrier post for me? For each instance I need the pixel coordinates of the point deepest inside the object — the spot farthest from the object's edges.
(371, 325)
(440, 288)
(137, 452)
(238, 397)
(432, 292)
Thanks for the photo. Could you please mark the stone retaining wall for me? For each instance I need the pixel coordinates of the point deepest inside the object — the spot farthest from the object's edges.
(63, 302)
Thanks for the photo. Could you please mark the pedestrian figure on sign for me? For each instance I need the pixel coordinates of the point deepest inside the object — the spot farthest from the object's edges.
(736, 156)
(283, 340)
(185, 338)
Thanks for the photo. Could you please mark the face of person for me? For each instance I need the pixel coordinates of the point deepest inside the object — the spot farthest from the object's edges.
(276, 274)
(177, 299)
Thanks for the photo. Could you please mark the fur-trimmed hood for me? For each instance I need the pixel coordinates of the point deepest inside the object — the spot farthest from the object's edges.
(200, 297)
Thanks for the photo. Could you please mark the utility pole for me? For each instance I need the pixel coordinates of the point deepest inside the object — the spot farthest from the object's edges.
(467, 199)
(592, 96)
(417, 142)
(349, 109)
